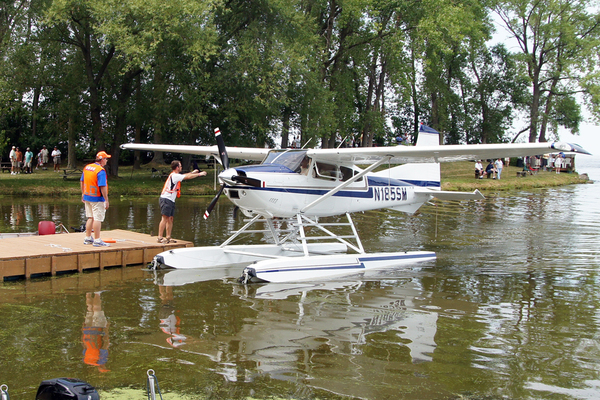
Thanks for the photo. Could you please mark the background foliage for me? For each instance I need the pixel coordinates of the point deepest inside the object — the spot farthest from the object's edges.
(88, 75)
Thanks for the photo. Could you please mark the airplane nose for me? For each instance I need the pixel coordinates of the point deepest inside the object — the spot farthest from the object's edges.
(227, 176)
(233, 177)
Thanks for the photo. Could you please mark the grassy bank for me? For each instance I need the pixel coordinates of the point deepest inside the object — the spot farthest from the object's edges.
(461, 176)
(455, 176)
(128, 183)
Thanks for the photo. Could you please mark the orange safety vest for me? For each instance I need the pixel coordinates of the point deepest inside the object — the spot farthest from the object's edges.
(90, 180)
(172, 188)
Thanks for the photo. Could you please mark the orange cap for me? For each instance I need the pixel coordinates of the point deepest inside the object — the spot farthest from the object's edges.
(101, 155)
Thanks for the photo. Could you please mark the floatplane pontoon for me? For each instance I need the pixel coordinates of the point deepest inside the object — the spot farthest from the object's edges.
(291, 191)
(295, 254)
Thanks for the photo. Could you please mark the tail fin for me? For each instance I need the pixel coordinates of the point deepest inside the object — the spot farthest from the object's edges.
(425, 175)
(428, 136)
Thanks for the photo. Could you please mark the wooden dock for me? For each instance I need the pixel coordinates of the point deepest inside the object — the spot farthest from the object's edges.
(51, 254)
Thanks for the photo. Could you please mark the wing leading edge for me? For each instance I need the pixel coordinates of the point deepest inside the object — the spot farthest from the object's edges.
(370, 155)
(244, 153)
(442, 153)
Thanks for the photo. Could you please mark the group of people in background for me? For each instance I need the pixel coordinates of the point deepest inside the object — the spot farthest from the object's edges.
(492, 170)
(20, 162)
(552, 162)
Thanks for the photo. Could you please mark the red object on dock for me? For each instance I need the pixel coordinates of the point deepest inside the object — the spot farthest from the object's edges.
(46, 228)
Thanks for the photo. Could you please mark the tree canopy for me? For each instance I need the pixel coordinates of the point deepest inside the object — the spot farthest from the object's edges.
(90, 75)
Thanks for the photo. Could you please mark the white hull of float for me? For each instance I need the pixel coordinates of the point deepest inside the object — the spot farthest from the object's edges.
(272, 263)
(294, 258)
(238, 255)
(319, 267)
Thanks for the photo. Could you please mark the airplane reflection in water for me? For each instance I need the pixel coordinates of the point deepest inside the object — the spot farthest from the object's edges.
(297, 324)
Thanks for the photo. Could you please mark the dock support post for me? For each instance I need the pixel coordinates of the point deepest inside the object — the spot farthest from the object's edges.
(53, 261)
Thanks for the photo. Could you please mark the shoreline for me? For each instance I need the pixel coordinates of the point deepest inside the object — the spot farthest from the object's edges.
(456, 176)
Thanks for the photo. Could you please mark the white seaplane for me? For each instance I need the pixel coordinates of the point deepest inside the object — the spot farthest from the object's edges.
(291, 189)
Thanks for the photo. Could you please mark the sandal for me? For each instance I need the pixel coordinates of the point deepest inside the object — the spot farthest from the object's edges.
(169, 240)
(161, 240)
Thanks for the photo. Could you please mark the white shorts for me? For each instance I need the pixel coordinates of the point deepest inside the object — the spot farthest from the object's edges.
(95, 210)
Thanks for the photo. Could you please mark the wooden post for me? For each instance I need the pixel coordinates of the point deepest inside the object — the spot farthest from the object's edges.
(53, 262)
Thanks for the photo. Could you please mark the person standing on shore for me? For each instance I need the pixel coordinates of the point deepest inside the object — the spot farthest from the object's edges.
(56, 159)
(19, 161)
(94, 194)
(13, 160)
(44, 152)
(172, 190)
(39, 160)
(28, 158)
(499, 164)
(558, 163)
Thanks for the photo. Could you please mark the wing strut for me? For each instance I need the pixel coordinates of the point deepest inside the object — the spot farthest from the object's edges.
(345, 184)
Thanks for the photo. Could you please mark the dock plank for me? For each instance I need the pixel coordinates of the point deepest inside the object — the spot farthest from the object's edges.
(50, 254)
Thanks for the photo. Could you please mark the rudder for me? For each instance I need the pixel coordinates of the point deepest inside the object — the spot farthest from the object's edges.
(419, 174)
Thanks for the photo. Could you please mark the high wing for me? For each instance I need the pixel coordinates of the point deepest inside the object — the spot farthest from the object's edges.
(443, 153)
(243, 153)
(370, 155)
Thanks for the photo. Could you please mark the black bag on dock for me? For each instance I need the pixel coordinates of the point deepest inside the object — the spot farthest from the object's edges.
(66, 389)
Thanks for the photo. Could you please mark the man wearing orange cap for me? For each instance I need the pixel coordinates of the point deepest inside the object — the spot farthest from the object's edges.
(94, 189)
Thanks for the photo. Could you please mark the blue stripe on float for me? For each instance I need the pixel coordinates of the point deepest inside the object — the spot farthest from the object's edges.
(362, 259)
(403, 257)
(300, 269)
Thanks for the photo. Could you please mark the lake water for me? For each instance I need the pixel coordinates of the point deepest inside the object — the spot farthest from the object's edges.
(509, 310)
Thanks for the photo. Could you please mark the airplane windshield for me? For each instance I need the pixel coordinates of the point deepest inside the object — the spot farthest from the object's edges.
(288, 158)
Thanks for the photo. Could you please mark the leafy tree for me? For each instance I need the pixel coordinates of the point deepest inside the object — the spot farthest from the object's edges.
(117, 41)
(558, 43)
(498, 90)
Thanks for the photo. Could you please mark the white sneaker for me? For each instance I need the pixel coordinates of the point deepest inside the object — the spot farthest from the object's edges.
(88, 240)
(100, 243)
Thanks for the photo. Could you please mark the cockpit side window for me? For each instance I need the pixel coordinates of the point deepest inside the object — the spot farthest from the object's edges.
(289, 158)
(327, 171)
(348, 173)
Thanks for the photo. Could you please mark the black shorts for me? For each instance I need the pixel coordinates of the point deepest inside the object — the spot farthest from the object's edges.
(167, 207)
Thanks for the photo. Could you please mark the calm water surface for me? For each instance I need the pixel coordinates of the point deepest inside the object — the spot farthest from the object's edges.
(509, 310)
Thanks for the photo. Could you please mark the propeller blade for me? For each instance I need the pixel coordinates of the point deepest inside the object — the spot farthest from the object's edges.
(213, 202)
(222, 149)
(247, 181)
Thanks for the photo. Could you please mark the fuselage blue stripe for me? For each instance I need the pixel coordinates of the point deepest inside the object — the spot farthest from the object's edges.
(360, 192)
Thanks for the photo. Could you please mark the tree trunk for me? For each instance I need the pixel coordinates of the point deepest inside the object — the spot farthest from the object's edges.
(34, 111)
(83, 42)
(158, 119)
(71, 139)
(137, 163)
(285, 129)
(121, 119)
